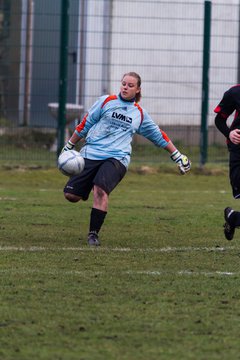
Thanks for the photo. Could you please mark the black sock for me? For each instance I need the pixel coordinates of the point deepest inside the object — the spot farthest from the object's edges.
(96, 220)
(234, 218)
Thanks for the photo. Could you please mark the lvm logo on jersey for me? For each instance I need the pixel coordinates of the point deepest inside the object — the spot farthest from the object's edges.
(122, 117)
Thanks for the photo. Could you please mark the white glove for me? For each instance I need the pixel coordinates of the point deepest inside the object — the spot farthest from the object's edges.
(69, 146)
(182, 161)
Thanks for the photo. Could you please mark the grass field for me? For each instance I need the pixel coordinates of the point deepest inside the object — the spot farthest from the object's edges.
(163, 285)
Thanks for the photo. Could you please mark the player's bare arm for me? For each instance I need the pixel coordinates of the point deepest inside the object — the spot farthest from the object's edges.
(181, 160)
(74, 139)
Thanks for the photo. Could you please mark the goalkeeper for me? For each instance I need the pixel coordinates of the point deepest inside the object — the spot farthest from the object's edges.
(230, 103)
(107, 131)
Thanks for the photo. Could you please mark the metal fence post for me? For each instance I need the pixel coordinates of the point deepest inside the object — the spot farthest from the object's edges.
(28, 63)
(63, 69)
(205, 83)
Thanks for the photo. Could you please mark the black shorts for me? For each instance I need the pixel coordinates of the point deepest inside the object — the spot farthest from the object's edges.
(104, 173)
(234, 169)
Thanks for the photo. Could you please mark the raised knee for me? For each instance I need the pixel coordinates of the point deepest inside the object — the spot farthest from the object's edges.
(71, 197)
(100, 193)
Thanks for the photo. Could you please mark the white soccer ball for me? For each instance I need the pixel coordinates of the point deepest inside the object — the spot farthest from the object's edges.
(71, 163)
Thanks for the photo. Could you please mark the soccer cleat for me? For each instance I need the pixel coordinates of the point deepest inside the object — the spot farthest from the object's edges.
(93, 239)
(229, 230)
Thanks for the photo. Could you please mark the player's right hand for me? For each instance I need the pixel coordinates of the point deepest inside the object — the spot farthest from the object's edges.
(184, 164)
(69, 146)
(234, 136)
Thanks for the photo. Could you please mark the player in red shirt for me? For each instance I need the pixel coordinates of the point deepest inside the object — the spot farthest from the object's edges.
(229, 104)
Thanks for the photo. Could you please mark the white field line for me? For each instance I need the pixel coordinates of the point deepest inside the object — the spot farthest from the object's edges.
(87, 273)
(185, 272)
(108, 249)
(49, 272)
(8, 198)
(132, 272)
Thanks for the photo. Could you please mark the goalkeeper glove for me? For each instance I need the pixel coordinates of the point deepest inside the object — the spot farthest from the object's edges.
(182, 161)
(69, 146)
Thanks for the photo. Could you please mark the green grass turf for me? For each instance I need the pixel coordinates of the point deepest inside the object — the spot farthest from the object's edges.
(163, 285)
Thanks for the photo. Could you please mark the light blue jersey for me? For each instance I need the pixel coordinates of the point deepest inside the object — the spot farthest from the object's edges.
(109, 126)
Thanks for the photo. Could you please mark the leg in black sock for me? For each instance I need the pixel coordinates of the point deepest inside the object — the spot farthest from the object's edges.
(234, 218)
(96, 220)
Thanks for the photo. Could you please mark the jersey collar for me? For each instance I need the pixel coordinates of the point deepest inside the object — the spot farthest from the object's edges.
(131, 100)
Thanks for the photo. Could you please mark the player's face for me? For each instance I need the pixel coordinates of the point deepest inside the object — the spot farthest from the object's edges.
(129, 87)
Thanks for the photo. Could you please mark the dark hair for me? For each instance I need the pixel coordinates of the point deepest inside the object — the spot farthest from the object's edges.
(139, 81)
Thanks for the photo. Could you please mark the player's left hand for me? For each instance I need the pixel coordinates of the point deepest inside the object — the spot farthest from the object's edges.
(184, 164)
